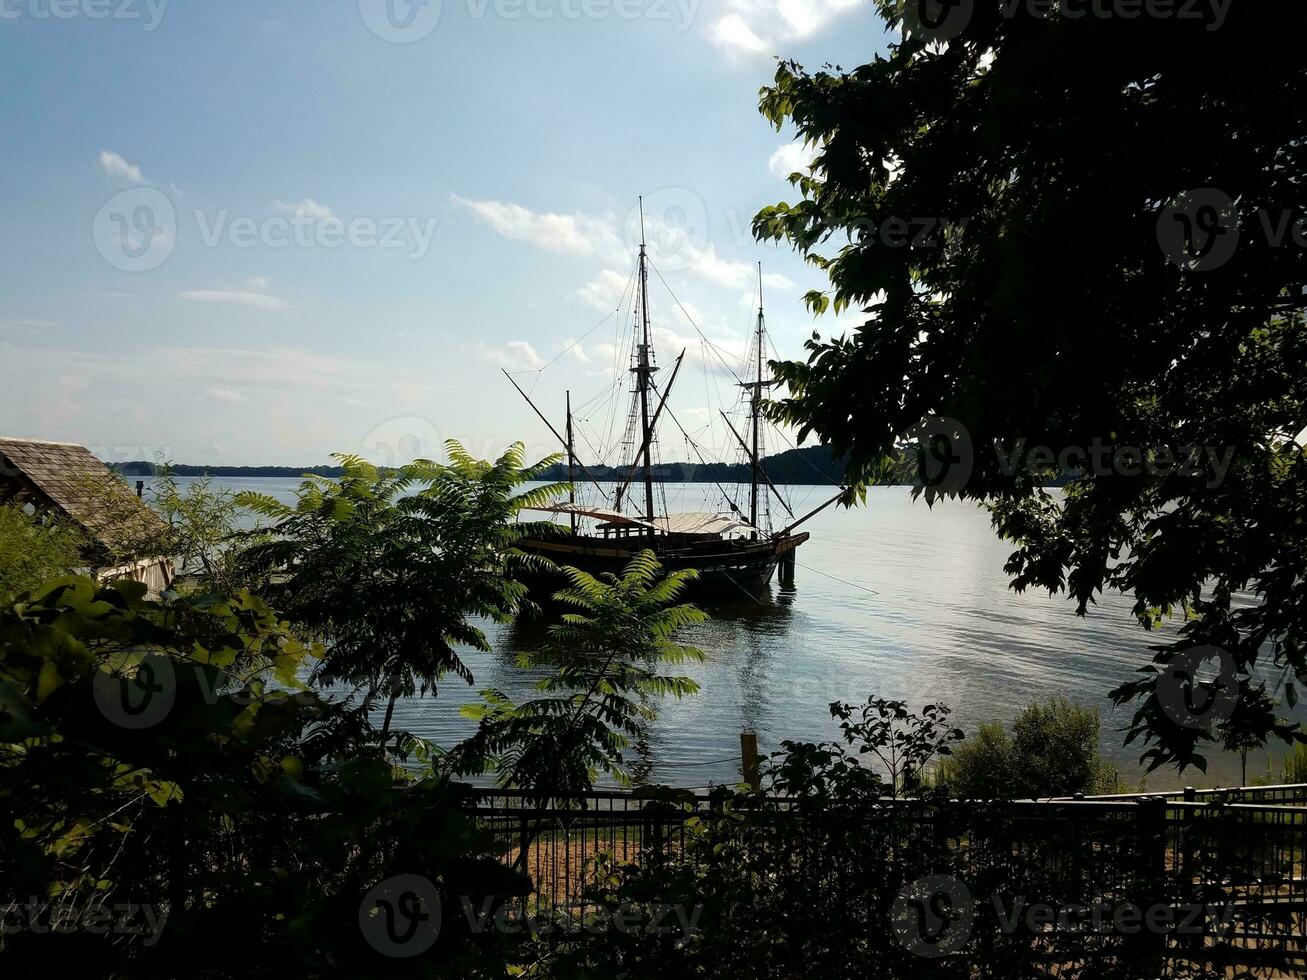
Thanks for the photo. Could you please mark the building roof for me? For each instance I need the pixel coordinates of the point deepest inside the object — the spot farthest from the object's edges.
(69, 479)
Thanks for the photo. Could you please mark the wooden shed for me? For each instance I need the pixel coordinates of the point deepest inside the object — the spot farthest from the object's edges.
(67, 479)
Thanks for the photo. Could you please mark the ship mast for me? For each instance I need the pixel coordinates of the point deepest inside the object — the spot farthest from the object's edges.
(756, 409)
(643, 370)
(571, 465)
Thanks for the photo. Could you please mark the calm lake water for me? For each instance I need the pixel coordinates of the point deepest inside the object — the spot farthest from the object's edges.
(892, 599)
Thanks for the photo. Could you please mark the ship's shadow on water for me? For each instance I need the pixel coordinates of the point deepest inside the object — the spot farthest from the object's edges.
(528, 631)
(771, 607)
(768, 612)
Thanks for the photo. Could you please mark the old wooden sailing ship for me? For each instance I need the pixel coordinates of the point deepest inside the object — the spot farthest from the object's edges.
(732, 552)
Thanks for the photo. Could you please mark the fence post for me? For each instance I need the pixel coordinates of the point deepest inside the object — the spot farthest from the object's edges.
(1150, 829)
(1187, 865)
(749, 758)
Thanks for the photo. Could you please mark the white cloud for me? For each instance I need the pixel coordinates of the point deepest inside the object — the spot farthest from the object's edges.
(600, 236)
(226, 395)
(115, 166)
(732, 33)
(258, 282)
(207, 367)
(723, 357)
(789, 157)
(261, 300)
(578, 234)
(707, 264)
(28, 324)
(576, 351)
(691, 311)
(95, 397)
(605, 291)
(307, 208)
(704, 262)
(758, 27)
(516, 355)
(525, 353)
(678, 248)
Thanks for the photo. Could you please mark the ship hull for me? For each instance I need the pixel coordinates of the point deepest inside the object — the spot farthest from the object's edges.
(724, 566)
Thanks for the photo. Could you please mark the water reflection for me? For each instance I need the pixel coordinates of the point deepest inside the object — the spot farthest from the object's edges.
(749, 627)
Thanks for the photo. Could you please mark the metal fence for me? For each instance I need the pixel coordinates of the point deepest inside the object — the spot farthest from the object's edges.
(1244, 864)
(1282, 794)
(556, 842)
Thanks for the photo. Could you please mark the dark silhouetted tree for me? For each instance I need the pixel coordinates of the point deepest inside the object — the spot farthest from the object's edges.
(1020, 215)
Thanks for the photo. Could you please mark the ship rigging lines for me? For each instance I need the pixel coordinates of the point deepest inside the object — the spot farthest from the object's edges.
(595, 419)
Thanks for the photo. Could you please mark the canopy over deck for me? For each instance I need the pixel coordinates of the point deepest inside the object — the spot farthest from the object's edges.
(599, 513)
(701, 522)
(695, 522)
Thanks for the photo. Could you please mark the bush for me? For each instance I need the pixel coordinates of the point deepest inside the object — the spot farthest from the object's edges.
(203, 534)
(981, 768)
(1294, 765)
(1052, 751)
(165, 759)
(34, 548)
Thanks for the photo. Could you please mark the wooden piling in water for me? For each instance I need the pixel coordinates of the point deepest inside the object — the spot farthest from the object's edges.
(749, 758)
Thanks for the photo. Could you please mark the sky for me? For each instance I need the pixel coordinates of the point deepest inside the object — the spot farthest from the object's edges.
(263, 232)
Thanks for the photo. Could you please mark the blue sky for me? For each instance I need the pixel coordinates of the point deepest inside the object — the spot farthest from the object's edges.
(260, 232)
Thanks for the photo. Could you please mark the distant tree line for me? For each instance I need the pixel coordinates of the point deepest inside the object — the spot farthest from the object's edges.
(812, 464)
(808, 465)
(143, 468)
